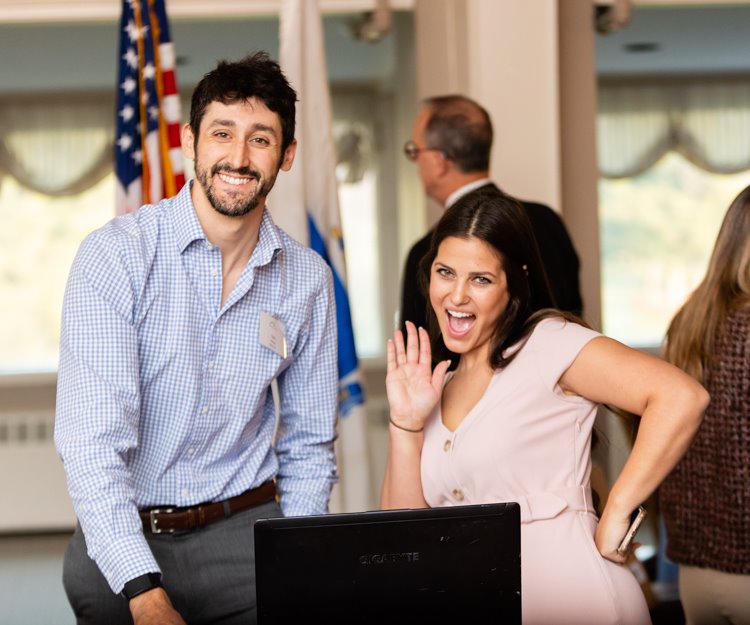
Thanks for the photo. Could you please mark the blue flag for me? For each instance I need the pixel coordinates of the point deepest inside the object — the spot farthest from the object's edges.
(306, 199)
(311, 185)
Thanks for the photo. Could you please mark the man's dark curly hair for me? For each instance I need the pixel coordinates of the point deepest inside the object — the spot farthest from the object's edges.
(255, 76)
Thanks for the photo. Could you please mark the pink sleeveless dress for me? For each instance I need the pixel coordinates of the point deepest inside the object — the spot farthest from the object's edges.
(526, 441)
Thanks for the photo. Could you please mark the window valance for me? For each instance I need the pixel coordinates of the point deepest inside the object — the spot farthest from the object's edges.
(708, 122)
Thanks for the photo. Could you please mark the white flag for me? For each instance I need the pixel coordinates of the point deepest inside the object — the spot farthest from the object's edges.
(305, 204)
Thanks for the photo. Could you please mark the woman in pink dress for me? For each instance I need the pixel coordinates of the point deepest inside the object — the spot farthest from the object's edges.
(513, 421)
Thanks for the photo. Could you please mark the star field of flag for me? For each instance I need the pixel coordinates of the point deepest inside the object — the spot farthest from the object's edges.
(148, 160)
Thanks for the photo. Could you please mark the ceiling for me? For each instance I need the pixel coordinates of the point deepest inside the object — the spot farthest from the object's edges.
(80, 56)
(691, 39)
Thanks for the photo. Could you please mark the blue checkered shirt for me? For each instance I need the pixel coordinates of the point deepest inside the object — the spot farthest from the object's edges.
(164, 395)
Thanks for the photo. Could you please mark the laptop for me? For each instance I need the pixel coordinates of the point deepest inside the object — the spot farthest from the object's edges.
(392, 566)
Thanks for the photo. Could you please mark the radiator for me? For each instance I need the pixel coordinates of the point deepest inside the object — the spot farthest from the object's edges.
(32, 482)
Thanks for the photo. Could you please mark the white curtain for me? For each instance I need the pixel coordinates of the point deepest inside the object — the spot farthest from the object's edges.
(708, 122)
(64, 144)
(57, 145)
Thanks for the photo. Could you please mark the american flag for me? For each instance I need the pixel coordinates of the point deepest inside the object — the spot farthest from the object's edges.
(148, 159)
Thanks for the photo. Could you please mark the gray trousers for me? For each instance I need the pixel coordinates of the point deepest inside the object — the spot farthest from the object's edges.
(209, 574)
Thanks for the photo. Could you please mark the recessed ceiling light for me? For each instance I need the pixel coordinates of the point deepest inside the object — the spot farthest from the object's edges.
(645, 46)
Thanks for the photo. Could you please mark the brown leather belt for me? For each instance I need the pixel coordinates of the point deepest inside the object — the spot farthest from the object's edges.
(164, 520)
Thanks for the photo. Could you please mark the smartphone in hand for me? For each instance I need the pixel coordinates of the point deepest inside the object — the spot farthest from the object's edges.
(635, 522)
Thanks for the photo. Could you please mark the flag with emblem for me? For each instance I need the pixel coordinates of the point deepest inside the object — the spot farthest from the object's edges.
(308, 195)
(148, 159)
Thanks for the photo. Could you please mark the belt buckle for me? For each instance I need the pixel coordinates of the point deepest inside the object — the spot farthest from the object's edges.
(154, 521)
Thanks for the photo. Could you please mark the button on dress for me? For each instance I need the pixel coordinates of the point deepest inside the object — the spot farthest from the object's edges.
(526, 441)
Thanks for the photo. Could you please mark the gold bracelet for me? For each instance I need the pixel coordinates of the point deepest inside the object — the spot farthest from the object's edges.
(401, 427)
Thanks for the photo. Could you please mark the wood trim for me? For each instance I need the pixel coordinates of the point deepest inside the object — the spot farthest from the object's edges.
(46, 11)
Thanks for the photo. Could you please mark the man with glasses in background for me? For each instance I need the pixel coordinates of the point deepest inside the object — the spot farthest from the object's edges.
(451, 144)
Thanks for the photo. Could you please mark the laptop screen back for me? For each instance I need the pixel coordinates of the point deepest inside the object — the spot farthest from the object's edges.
(459, 562)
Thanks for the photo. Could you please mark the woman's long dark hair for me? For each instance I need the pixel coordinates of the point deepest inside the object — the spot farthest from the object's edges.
(501, 222)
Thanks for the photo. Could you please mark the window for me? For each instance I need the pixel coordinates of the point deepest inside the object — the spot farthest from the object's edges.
(46, 172)
(359, 221)
(42, 230)
(673, 154)
(54, 189)
(658, 230)
(39, 239)
(362, 202)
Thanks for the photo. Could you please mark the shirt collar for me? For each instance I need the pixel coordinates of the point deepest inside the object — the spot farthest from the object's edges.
(186, 224)
(467, 188)
(269, 241)
(188, 228)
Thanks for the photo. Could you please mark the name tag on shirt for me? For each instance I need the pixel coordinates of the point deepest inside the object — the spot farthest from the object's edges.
(272, 334)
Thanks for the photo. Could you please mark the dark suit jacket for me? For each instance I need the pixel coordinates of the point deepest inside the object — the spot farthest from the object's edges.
(555, 246)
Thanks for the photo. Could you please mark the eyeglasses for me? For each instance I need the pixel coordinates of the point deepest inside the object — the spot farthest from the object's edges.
(411, 150)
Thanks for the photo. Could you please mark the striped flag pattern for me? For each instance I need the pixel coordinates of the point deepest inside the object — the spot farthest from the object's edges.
(307, 195)
(148, 158)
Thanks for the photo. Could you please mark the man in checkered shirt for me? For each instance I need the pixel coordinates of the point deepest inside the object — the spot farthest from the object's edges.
(177, 319)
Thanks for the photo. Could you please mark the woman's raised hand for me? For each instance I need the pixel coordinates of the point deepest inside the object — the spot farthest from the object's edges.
(413, 387)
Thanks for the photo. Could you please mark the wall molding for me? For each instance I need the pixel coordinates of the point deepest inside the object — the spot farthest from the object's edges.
(51, 11)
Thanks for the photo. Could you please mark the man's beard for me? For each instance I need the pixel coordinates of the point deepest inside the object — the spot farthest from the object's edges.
(237, 204)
